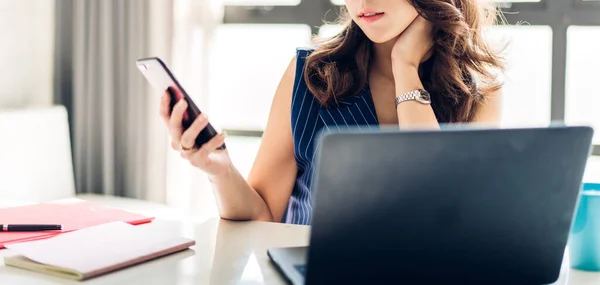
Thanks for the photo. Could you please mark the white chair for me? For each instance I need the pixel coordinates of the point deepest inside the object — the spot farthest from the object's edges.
(35, 155)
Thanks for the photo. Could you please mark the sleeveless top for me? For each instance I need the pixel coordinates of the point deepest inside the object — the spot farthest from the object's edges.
(308, 118)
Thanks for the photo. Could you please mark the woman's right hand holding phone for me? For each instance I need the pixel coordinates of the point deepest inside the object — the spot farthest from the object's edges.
(213, 161)
(265, 194)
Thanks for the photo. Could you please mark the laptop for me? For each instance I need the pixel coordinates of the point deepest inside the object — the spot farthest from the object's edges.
(456, 206)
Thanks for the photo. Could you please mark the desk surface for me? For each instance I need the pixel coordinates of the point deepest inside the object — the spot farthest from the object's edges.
(225, 253)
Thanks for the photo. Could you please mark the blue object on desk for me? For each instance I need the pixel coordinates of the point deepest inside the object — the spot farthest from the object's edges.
(584, 240)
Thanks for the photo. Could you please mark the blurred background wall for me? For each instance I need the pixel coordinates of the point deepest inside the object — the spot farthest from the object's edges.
(230, 55)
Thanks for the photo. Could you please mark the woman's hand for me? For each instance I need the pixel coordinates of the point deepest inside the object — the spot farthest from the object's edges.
(414, 45)
(208, 158)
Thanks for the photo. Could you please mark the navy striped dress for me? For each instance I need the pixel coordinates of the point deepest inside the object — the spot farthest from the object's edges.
(308, 118)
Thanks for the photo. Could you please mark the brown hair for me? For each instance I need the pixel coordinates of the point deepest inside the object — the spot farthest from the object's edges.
(457, 74)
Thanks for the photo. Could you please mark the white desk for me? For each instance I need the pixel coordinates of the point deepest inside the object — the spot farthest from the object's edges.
(225, 253)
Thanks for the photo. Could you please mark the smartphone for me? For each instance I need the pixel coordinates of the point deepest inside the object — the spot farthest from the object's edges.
(162, 79)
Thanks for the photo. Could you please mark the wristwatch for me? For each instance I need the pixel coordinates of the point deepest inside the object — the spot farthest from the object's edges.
(419, 95)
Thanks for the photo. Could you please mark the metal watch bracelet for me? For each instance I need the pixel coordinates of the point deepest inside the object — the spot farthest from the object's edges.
(419, 95)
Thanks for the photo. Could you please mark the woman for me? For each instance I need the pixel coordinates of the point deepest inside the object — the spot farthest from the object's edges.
(365, 76)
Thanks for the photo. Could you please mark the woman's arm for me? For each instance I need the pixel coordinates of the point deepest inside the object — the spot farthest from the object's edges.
(411, 48)
(264, 196)
(490, 110)
(412, 114)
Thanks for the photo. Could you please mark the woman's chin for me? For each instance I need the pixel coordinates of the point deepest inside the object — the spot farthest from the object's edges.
(380, 38)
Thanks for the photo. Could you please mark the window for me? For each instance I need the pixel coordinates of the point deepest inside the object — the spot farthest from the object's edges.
(583, 94)
(242, 151)
(327, 31)
(246, 65)
(592, 171)
(240, 95)
(526, 93)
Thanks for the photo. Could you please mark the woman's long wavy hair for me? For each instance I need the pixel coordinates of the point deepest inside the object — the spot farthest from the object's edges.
(458, 74)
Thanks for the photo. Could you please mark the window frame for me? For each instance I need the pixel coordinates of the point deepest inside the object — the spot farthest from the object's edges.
(557, 14)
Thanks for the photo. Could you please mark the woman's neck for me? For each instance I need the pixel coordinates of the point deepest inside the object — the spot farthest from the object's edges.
(382, 59)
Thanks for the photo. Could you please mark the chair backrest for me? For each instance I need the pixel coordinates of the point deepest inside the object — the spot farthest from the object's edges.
(35, 155)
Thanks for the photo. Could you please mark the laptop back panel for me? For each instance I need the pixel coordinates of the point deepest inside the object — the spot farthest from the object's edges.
(491, 206)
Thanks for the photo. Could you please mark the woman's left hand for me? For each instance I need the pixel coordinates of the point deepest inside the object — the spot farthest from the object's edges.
(414, 45)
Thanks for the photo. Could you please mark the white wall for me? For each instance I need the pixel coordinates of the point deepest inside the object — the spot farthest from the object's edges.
(26, 52)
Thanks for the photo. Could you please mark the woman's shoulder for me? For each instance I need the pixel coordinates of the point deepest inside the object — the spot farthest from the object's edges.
(305, 49)
(294, 73)
(300, 87)
(303, 52)
(299, 62)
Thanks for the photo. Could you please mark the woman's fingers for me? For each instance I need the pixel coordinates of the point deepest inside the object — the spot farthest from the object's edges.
(176, 120)
(175, 145)
(165, 100)
(199, 158)
(188, 138)
(215, 142)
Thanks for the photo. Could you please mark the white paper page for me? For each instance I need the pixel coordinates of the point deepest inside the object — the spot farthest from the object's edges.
(97, 247)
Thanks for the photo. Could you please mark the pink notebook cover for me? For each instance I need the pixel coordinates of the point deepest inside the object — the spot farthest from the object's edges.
(73, 214)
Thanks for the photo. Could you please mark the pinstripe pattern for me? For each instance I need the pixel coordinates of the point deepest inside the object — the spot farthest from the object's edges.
(308, 118)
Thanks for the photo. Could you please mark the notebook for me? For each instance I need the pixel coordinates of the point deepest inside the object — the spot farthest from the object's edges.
(96, 250)
(73, 214)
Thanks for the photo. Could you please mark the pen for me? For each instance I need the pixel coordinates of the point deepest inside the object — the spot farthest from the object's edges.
(29, 228)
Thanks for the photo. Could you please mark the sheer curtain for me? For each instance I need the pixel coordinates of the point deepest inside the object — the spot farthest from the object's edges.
(118, 142)
(194, 25)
